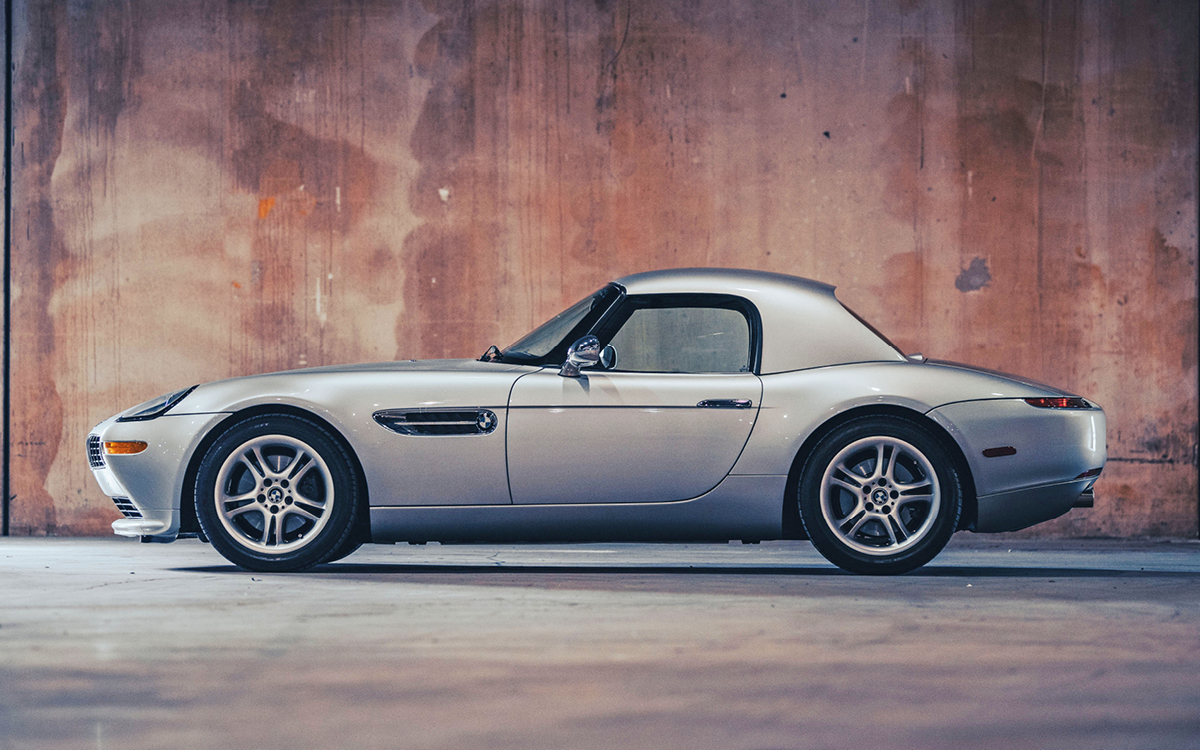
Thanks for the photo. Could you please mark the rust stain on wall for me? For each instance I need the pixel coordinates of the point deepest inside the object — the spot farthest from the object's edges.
(444, 281)
(215, 188)
(41, 93)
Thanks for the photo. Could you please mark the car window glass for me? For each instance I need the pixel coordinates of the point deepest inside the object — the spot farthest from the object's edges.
(683, 339)
(545, 337)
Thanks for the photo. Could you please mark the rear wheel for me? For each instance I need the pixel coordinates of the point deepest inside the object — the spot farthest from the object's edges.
(879, 495)
(277, 493)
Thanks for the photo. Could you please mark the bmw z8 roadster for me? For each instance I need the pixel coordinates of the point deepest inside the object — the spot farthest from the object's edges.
(687, 405)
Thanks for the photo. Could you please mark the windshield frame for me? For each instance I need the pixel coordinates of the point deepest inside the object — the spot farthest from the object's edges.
(603, 300)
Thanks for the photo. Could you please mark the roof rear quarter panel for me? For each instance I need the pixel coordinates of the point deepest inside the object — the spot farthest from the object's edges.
(795, 404)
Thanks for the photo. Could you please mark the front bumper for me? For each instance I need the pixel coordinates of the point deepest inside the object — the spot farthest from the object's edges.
(163, 528)
(148, 487)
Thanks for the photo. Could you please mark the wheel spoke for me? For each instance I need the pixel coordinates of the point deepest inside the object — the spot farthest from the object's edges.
(850, 473)
(923, 487)
(890, 532)
(299, 511)
(906, 499)
(293, 465)
(899, 533)
(302, 472)
(849, 486)
(279, 531)
(857, 522)
(239, 498)
(243, 509)
(887, 461)
(253, 458)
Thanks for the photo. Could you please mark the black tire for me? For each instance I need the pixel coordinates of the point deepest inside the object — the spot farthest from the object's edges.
(277, 493)
(346, 548)
(879, 522)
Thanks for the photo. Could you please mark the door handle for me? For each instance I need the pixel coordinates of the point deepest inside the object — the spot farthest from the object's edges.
(725, 403)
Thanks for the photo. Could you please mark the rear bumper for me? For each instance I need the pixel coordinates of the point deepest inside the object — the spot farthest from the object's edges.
(1018, 509)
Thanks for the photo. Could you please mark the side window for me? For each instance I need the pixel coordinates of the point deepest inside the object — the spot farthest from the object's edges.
(683, 339)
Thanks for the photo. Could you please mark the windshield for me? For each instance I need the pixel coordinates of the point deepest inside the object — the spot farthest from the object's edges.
(553, 334)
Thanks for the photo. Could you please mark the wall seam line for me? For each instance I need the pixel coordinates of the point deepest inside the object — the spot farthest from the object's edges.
(5, 498)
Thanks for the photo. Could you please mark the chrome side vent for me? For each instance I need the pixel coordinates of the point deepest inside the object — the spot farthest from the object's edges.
(424, 422)
(95, 452)
(127, 508)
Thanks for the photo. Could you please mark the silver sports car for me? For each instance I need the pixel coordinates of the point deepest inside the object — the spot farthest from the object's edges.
(690, 405)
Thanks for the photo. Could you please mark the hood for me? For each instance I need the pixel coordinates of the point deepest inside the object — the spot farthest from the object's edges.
(409, 365)
(312, 386)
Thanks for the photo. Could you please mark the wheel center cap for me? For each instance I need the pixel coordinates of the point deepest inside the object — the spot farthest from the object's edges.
(879, 496)
(275, 494)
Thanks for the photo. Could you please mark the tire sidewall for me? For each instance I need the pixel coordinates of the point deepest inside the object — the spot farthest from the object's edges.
(824, 539)
(343, 514)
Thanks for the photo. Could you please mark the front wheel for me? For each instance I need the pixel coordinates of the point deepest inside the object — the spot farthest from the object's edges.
(277, 493)
(879, 495)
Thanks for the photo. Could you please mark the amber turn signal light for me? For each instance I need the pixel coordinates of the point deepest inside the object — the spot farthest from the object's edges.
(124, 447)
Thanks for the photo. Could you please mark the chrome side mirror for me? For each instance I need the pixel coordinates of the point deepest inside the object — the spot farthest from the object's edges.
(583, 353)
(608, 357)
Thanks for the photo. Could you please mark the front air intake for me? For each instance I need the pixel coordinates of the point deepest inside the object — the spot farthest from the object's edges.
(127, 508)
(95, 452)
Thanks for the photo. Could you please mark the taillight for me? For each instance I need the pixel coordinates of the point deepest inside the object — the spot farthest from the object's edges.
(1060, 402)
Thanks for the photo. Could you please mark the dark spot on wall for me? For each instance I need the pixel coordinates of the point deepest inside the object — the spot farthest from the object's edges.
(105, 37)
(974, 277)
(996, 134)
(1166, 260)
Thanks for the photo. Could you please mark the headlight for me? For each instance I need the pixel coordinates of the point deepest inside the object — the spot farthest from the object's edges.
(155, 407)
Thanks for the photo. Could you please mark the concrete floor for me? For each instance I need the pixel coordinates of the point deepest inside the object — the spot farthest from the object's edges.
(999, 643)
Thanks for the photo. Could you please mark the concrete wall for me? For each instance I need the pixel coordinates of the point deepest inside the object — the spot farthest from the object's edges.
(213, 188)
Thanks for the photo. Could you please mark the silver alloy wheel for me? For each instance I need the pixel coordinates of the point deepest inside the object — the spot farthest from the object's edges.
(274, 494)
(880, 496)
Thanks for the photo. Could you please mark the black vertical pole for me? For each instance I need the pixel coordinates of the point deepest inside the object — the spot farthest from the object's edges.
(8, 216)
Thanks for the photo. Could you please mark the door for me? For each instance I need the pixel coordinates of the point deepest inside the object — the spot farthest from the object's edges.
(666, 422)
